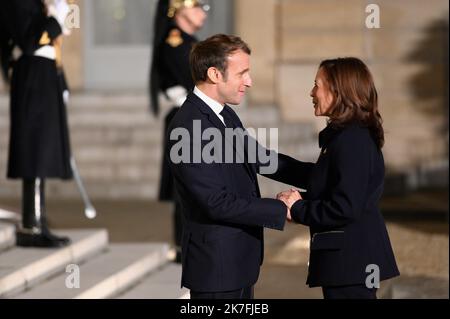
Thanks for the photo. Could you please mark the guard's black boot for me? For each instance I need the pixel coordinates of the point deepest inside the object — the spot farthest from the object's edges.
(34, 231)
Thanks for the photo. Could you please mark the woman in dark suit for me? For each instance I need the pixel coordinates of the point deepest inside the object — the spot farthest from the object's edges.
(350, 251)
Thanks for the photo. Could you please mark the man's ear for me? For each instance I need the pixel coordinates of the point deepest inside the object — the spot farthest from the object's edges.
(214, 75)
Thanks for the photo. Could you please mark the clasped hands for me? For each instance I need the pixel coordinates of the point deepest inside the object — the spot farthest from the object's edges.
(289, 197)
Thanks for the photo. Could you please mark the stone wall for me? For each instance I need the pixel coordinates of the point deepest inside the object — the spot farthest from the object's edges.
(117, 142)
(408, 56)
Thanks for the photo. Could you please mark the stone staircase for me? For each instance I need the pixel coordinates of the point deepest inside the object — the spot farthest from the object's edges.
(90, 268)
(117, 144)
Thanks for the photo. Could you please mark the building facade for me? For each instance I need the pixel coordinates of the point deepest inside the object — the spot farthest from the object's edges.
(107, 63)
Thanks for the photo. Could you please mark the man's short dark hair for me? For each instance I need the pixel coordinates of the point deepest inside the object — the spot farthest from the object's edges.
(214, 52)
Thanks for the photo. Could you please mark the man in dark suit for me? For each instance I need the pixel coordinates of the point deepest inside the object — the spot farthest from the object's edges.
(222, 247)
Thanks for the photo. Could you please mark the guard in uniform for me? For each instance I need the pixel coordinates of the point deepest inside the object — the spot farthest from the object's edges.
(39, 138)
(176, 22)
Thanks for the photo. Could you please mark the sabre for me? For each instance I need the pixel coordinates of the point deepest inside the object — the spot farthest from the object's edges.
(60, 10)
(89, 209)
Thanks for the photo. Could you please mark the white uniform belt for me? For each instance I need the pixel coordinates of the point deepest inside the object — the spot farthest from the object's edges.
(47, 51)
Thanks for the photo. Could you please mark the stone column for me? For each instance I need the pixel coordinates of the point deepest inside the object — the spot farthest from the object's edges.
(310, 31)
(255, 23)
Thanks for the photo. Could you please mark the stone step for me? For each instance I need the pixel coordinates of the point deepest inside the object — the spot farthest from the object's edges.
(102, 103)
(123, 124)
(130, 136)
(115, 170)
(162, 284)
(97, 101)
(148, 142)
(118, 160)
(118, 171)
(7, 236)
(385, 290)
(144, 154)
(143, 189)
(106, 275)
(88, 120)
(22, 268)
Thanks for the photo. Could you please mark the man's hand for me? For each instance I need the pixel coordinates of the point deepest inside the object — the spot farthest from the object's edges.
(289, 198)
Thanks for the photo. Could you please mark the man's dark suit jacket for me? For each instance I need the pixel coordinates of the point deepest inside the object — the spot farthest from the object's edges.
(341, 208)
(222, 246)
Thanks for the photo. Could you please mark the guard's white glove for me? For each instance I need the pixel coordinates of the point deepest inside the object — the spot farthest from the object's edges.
(66, 95)
(177, 95)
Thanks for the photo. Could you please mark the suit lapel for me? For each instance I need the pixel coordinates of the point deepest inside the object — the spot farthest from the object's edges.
(212, 117)
(236, 124)
(206, 110)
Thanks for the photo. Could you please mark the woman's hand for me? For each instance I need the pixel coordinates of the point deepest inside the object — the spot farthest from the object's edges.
(289, 197)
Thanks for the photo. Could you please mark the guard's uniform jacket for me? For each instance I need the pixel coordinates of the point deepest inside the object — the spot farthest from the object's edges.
(170, 69)
(173, 69)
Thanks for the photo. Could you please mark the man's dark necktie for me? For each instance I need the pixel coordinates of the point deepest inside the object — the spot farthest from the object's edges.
(226, 117)
(234, 124)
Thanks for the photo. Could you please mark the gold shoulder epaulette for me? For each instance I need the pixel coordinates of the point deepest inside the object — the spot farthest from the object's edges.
(174, 39)
(44, 40)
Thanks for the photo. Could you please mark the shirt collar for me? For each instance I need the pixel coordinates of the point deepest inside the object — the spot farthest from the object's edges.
(213, 104)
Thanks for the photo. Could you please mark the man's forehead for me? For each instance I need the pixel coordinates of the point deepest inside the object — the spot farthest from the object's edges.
(238, 58)
(238, 53)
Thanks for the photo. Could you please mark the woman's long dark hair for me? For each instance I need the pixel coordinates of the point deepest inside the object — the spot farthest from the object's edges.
(355, 95)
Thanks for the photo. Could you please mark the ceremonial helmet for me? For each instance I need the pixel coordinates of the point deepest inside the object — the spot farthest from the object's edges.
(175, 5)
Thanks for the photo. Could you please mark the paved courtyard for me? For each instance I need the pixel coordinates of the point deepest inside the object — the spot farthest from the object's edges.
(420, 245)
